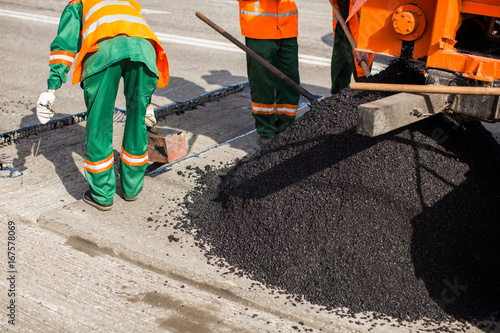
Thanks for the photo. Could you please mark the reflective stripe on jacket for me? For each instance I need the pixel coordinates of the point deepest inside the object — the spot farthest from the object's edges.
(62, 57)
(107, 19)
(268, 19)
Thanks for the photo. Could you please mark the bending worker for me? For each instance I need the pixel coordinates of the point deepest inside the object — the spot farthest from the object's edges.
(112, 41)
(343, 63)
(270, 28)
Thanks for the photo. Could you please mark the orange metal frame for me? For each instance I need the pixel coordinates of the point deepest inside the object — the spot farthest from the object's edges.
(436, 44)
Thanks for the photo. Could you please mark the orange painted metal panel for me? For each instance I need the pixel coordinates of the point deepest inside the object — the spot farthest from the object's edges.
(437, 44)
(377, 33)
(473, 67)
(445, 26)
(442, 53)
(486, 8)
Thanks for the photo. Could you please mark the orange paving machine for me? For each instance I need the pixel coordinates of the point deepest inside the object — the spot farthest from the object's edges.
(459, 43)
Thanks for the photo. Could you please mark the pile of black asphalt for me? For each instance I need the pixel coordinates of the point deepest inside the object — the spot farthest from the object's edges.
(405, 225)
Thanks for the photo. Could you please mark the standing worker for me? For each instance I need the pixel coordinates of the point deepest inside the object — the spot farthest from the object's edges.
(270, 28)
(112, 40)
(343, 63)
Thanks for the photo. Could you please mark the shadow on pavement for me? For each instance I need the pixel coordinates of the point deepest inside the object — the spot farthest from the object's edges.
(59, 147)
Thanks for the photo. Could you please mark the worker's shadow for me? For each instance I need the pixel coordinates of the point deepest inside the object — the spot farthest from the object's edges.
(223, 78)
(61, 147)
(328, 39)
(180, 89)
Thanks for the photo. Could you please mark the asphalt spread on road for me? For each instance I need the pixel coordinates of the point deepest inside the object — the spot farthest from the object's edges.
(405, 225)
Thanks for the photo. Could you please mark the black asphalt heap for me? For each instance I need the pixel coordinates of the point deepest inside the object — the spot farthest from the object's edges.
(405, 225)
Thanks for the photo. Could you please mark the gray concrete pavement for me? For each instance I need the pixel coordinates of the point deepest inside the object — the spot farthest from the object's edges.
(81, 270)
(68, 284)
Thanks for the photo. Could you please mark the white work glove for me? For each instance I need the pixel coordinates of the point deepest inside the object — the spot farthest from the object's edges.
(150, 116)
(44, 107)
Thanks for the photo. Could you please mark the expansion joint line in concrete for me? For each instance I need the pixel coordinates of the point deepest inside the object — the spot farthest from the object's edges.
(198, 154)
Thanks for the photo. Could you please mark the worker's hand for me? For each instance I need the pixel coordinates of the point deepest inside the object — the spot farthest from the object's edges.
(363, 56)
(44, 106)
(150, 116)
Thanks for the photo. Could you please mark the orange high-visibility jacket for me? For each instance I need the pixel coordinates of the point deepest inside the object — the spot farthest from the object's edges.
(353, 24)
(269, 19)
(107, 19)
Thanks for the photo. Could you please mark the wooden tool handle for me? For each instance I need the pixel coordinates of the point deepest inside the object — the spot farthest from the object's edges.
(362, 63)
(428, 89)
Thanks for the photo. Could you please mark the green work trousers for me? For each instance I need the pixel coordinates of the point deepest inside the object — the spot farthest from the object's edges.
(100, 91)
(274, 103)
(342, 62)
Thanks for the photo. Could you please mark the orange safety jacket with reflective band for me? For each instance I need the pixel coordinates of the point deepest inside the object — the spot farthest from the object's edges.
(269, 19)
(107, 19)
(353, 23)
(62, 57)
